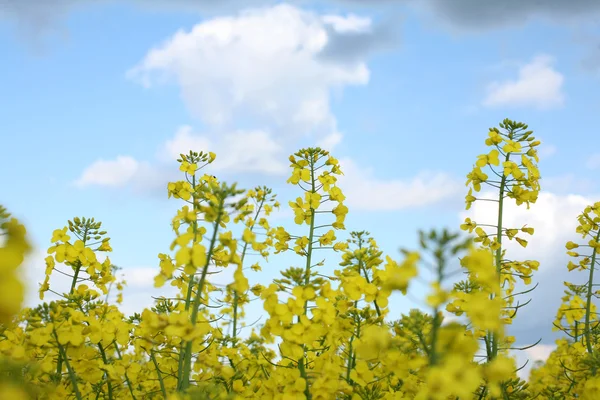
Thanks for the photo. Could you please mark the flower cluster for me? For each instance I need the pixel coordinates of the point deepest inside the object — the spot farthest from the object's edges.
(492, 291)
(329, 331)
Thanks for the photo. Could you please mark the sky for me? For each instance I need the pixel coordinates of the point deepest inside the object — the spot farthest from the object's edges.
(100, 97)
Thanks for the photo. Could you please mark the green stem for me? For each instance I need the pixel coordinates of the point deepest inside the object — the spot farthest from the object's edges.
(433, 356)
(72, 375)
(351, 350)
(362, 267)
(105, 360)
(190, 286)
(73, 283)
(102, 353)
(160, 379)
(184, 383)
(483, 393)
(494, 349)
(441, 265)
(302, 361)
(126, 377)
(235, 294)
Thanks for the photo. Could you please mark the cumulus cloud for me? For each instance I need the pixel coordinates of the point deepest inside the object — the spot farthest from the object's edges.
(114, 173)
(38, 17)
(125, 171)
(351, 38)
(365, 191)
(330, 141)
(250, 151)
(238, 151)
(553, 217)
(268, 67)
(350, 24)
(263, 65)
(538, 85)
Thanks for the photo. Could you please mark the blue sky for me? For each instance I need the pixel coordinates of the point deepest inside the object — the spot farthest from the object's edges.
(99, 96)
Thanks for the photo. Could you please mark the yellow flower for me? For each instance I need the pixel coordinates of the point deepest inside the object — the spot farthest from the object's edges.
(468, 225)
(438, 297)
(489, 159)
(188, 168)
(60, 235)
(512, 147)
(397, 277)
(470, 199)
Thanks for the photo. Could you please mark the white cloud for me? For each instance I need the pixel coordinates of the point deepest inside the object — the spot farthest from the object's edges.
(264, 68)
(553, 217)
(538, 85)
(364, 191)
(183, 141)
(329, 142)
(539, 352)
(140, 276)
(237, 151)
(262, 65)
(125, 171)
(115, 173)
(351, 23)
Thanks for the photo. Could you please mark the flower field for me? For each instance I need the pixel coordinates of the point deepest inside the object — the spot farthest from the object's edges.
(325, 336)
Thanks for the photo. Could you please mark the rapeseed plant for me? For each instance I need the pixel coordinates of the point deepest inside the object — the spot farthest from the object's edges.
(327, 335)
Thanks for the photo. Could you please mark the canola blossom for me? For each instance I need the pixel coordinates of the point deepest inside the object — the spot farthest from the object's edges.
(327, 335)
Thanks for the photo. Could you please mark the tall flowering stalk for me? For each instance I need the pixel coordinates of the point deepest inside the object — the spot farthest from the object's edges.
(572, 369)
(329, 334)
(366, 306)
(314, 171)
(577, 309)
(83, 268)
(514, 152)
(253, 215)
(211, 204)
